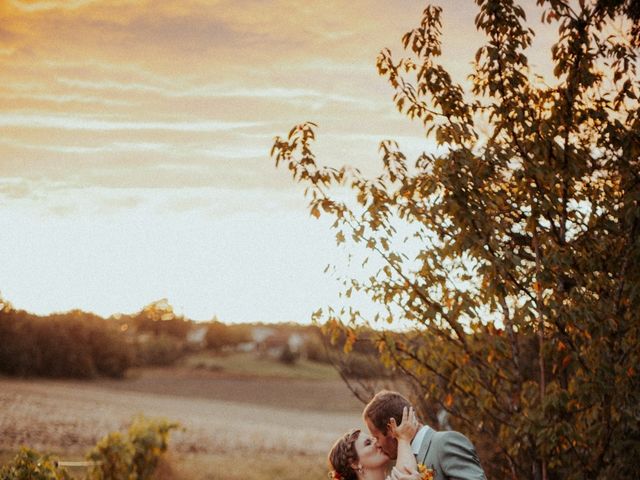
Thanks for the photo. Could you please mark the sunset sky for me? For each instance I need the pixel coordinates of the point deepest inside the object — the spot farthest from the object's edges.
(135, 140)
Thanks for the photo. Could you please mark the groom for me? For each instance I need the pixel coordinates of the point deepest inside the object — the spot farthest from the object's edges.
(449, 454)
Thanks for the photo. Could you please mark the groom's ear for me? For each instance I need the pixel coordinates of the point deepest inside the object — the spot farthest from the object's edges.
(388, 427)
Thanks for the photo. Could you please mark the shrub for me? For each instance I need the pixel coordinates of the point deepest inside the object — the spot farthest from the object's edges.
(150, 438)
(31, 465)
(220, 335)
(112, 458)
(162, 350)
(315, 349)
(134, 457)
(288, 356)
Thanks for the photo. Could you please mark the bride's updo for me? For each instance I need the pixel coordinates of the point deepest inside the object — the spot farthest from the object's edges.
(343, 455)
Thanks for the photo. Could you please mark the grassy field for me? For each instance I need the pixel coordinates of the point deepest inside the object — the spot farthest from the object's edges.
(251, 365)
(259, 426)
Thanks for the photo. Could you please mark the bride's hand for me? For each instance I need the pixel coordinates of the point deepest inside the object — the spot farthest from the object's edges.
(407, 428)
(404, 474)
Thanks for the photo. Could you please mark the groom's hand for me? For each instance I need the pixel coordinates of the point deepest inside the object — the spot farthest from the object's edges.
(404, 474)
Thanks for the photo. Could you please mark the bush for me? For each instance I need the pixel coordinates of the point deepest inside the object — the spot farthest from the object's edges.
(112, 457)
(111, 355)
(288, 356)
(220, 335)
(315, 349)
(150, 438)
(31, 465)
(135, 456)
(162, 350)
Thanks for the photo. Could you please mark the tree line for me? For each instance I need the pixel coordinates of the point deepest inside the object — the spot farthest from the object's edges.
(79, 344)
(72, 344)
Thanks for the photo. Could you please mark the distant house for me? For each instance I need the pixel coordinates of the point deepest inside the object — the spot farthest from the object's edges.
(197, 337)
(273, 342)
(296, 342)
(246, 347)
(260, 334)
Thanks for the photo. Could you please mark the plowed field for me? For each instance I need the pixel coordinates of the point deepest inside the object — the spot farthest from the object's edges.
(220, 414)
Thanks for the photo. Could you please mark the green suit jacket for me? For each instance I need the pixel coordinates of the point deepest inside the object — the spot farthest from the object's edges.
(451, 455)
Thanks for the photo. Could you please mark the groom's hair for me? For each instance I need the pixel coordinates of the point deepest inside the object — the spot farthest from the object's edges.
(384, 405)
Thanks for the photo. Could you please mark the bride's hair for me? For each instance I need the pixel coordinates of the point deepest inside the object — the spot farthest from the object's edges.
(343, 455)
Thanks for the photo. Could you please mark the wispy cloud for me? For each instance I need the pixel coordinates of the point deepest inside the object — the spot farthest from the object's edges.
(68, 98)
(44, 5)
(178, 91)
(15, 188)
(70, 122)
(84, 150)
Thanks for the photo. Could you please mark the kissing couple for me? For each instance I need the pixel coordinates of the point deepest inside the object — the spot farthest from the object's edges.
(396, 434)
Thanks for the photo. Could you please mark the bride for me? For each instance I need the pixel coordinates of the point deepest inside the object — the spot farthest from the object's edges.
(356, 456)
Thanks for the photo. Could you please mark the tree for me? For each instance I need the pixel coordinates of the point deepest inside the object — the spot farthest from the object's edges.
(159, 318)
(220, 335)
(521, 272)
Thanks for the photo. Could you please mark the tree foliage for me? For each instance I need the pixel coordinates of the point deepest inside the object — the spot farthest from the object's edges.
(520, 271)
(157, 333)
(220, 335)
(158, 318)
(72, 344)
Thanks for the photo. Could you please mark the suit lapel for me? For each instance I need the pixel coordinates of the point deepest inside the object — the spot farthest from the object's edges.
(424, 447)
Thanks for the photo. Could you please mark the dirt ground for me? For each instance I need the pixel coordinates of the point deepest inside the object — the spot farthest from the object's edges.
(221, 415)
